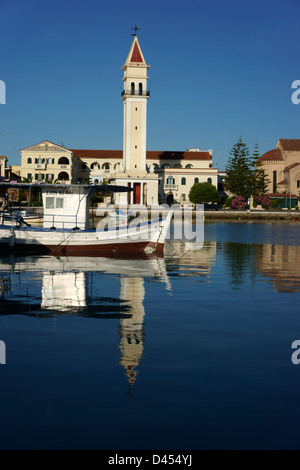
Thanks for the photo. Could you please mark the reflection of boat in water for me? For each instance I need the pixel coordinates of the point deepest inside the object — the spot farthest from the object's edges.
(66, 228)
(74, 286)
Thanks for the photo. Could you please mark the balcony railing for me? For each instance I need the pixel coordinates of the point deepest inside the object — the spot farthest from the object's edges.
(64, 167)
(169, 187)
(135, 93)
(40, 166)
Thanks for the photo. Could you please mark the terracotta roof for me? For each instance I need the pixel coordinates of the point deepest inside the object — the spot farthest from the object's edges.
(285, 181)
(290, 145)
(150, 154)
(136, 54)
(106, 154)
(282, 195)
(167, 155)
(271, 156)
(287, 168)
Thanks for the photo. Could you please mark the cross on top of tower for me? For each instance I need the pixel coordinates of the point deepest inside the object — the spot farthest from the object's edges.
(135, 30)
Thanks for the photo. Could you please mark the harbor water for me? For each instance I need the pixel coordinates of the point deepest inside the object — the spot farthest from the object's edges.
(193, 350)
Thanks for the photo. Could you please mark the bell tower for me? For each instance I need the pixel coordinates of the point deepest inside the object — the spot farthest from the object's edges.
(134, 97)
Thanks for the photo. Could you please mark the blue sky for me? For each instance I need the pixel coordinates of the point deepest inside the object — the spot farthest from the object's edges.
(218, 71)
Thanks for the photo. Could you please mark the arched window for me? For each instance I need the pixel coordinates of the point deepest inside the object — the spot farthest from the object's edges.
(298, 183)
(106, 166)
(95, 166)
(196, 180)
(189, 166)
(209, 180)
(170, 180)
(96, 181)
(63, 176)
(63, 161)
(274, 181)
(29, 160)
(183, 181)
(132, 88)
(177, 165)
(140, 89)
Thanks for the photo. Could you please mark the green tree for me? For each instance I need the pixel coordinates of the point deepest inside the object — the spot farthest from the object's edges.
(203, 192)
(239, 177)
(260, 181)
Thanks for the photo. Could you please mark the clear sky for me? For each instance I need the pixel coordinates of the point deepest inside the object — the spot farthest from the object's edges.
(218, 70)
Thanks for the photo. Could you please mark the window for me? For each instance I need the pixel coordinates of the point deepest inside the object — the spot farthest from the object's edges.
(189, 166)
(298, 184)
(274, 181)
(140, 89)
(95, 166)
(132, 88)
(196, 180)
(106, 166)
(49, 202)
(209, 180)
(183, 197)
(59, 203)
(63, 161)
(49, 177)
(50, 161)
(183, 181)
(29, 176)
(29, 160)
(170, 180)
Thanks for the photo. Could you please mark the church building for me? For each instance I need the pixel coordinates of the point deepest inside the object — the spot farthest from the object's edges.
(156, 176)
(282, 167)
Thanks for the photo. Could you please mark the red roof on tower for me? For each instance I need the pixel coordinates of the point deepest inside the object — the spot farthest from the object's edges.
(136, 54)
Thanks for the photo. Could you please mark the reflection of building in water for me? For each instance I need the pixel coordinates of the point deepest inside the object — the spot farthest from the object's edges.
(281, 264)
(63, 290)
(131, 329)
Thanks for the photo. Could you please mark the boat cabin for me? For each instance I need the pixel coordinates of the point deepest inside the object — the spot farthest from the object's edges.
(67, 206)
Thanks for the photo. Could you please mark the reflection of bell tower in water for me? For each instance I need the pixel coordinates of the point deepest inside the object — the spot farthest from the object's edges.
(131, 329)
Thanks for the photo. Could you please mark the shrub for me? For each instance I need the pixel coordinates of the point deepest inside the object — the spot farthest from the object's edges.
(238, 203)
(228, 202)
(265, 201)
(275, 203)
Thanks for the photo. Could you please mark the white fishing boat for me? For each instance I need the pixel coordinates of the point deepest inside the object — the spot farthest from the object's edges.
(66, 229)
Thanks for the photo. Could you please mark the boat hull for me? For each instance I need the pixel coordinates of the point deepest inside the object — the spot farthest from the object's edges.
(147, 237)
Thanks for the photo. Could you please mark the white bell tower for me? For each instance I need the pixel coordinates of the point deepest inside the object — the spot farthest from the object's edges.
(134, 172)
(134, 97)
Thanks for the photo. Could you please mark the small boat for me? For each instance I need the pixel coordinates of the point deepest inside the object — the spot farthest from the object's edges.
(22, 216)
(66, 230)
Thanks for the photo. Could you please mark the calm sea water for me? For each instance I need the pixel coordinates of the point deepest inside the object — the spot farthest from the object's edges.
(189, 351)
